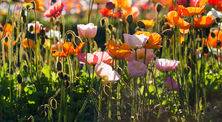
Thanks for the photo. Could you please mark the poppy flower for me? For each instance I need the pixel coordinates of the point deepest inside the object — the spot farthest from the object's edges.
(146, 33)
(101, 1)
(39, 4)
(87, 31)
(198, 3)
(119, 51)
(142, 55)
(64, 49)
(55, 10)
(214, 38)
(216, 4)
(166, 64)
(28, 43)
(105, 12)
(135, 41)
(136, 68)
(95, 58)
(171, 84)
(7, 30)
(204, 21)
(7, 44)
(174, 19)
(190, 11)
(34, 27)
(134, 11)
(106, 72)
(53, 34)
(123, 4)
(154, 41)
(146, 23)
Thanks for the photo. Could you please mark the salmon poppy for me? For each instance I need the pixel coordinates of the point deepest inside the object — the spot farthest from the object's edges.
(204, 21)
(174, 19)
(119, 51)
(154, 41)
(190, 11)
(214, 38)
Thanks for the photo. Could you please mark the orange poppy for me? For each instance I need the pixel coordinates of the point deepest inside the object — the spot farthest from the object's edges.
(65, 49)
(190, 11)
(154, 41)
(6, 44)
(174, 19)
(119, 51)
(7, 29)
(214, 38)
(122, 3)
(28, 43)
(204, 21)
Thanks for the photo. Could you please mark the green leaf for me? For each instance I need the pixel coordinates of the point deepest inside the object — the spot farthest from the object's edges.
(46, 71)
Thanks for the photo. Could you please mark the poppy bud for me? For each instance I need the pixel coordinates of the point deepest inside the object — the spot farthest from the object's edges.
(59, 66)
(130, 19)
(159, 7)
(19, 78)
(205, 49)
(60, 74)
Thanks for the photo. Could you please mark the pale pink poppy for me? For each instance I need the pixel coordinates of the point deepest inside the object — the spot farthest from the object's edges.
(87, 31)
(171, 84)
(95, 58)
(139, 55)
(55, 10)
(166, 64)
(106, 72)
(135, 41)
(136, 68)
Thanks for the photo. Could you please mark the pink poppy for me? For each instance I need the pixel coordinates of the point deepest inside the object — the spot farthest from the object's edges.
(166, 65)
(95, 58)
(106, 72)
(139, 55)
(55, 10)
(171, 84)
(87, 31)
(136, 68)
(135, 41)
